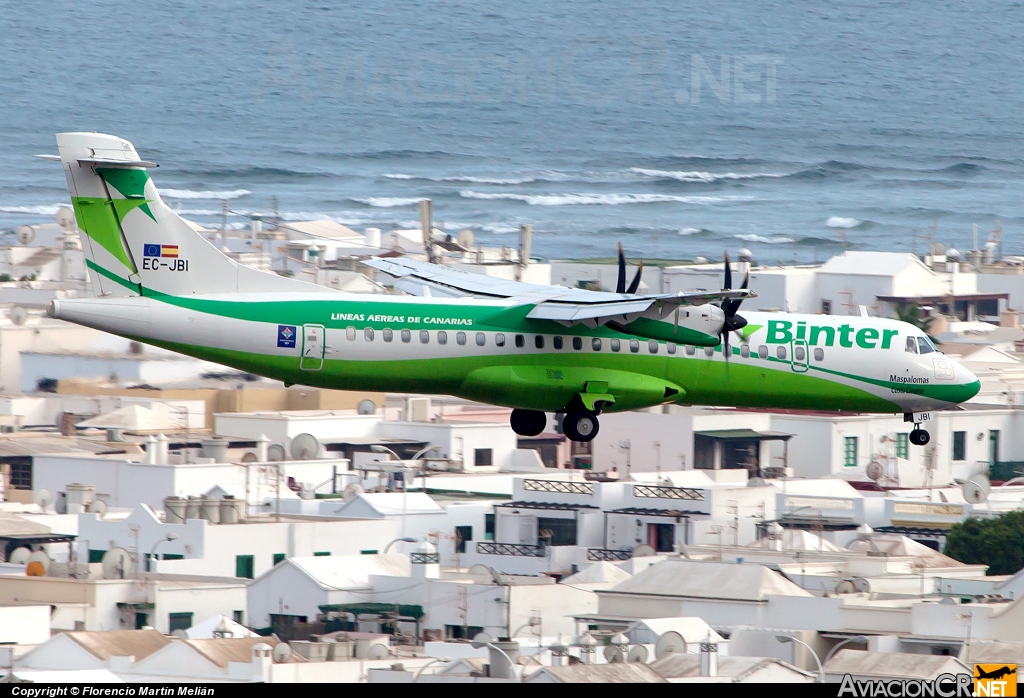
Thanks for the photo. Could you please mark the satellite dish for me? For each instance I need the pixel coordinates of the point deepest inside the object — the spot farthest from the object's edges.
(276, 453)
(846, 587)
(25, 234)
(19, 556)
(18, 315)
(352, 491)
(612, 653)
(937, 249)
(976, 488)
(65, 218)
(644, 550)
(862, 585)
(282, 652)
(43, 498)
(669, 643)
(98, 506)
(180, 634)
(366, 407)
(117, 563)
(477, 570)
(38, 564)
(250, 457)
(874, 471)
(305, 447)
(465, 238)
(482, 636)
(637, 654)
(377, 652)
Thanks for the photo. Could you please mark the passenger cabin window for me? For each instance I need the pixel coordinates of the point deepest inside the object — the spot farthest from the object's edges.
(368, 334)
(350, 333)
(671, 348)
(538, 341)
(925, 345)
(819, 354)
(577, 343)
(652, 346)
(424, 337)
(460, 339)
(499, 340)
(406, 336)
(745, 351)
(762, 352)
(709, 351)
(616, 345)
(388, 335)
(520, 341)
(690, 351)
(556, 342)
(442, 337)
(799, 353)
(634, 346)
(781, 353)
(481, 339)
(911, 345)
(595, 344)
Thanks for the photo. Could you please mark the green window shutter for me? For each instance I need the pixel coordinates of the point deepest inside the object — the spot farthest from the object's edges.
(279, 558)
(850, 452)
(902, 446)
(322, 553)
(179, 621)
(244, 566)
(96, 555)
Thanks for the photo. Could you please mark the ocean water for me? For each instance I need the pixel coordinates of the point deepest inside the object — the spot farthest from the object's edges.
(679, 128)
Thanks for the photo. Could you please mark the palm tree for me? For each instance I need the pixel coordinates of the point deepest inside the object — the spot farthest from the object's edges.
(912, 314)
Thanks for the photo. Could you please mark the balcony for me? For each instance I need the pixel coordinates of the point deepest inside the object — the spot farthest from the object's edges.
(606, 555)
(557, 487)
(513, 549)
(659, 492)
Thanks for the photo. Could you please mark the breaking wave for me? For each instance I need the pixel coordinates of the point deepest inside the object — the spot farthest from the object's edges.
(43, 210)
(705, 177)
(840, 222)
(388, 201)
(766, 239)
(467, 179)
(193, 194)
(597, 199)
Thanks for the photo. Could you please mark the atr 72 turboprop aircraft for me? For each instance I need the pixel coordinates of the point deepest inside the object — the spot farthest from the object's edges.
(533, 348)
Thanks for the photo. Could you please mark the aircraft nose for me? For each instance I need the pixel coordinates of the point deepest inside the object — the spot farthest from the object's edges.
(968, 384)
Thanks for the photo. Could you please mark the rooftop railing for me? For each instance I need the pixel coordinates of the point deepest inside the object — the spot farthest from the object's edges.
(558, 487)
(660, 492)
(516, 549)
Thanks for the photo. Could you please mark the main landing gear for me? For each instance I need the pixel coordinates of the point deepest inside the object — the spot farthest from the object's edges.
(578, 424)
(918, 436)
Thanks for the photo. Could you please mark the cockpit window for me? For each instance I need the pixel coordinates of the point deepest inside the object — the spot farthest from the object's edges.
(911, 345)
(925, 345)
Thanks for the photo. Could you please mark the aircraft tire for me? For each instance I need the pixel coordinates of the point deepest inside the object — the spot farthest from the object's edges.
(580, 426)
(920, 437)
(528, 422)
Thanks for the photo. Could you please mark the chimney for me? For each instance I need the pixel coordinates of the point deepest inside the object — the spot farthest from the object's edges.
(708, 657)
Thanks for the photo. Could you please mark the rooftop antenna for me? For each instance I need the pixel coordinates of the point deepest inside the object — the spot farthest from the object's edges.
(927, 238)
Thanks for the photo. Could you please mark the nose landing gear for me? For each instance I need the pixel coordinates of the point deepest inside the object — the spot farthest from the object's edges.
(918, 436)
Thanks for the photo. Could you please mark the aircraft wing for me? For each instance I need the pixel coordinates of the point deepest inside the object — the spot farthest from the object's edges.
(568, 306)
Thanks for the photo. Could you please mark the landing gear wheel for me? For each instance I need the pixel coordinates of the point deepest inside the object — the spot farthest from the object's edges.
(528, 422)
(580, 426)
(919, 437)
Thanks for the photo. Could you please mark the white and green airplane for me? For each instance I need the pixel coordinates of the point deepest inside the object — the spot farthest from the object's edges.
(536, 349)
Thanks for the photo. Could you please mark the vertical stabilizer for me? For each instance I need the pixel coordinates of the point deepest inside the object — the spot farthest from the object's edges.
(134, 243)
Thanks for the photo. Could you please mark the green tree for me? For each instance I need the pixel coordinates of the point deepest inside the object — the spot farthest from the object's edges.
(998, 542)
(912, 314)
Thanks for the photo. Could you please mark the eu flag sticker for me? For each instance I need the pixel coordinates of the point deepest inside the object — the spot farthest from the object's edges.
(150, 250)
(286, 336)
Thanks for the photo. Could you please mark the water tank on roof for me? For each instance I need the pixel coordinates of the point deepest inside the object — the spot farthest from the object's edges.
(174, 510)
(209, 509)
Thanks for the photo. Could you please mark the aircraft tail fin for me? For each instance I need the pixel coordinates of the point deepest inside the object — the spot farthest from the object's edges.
(134, 243)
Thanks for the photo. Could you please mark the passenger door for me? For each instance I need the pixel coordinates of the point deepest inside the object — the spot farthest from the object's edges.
(313, 345)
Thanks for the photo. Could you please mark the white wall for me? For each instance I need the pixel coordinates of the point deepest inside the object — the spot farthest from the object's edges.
(24, 625)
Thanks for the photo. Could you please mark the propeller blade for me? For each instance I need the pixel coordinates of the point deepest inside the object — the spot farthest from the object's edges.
(636, 279)
(728, 274)
(620, 286)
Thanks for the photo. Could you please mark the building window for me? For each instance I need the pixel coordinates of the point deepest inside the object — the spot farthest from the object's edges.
(238, 617)
(959, 445)
(178, 621)
(483, 456)
(279, 558)
(488, 526)
(557, 532)
(850, 452)
(903, 446)
(96, 555)
(826, 307)
(322, 553)
(245, 566)
(21, 473)
(463, 534)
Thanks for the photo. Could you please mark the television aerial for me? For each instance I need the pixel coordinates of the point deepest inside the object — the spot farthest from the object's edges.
(976, 488)
(612, 653)
(25, 234)
(282, 653)
(180, 634)
(117, 563)
(98, 506)
(669, 643)
(19, 556)
(276, 453)
(465, 238)
(65, 218)
(874, 471)
(366, 407)
(644, 550)
(43, 498)
(305, 447)
(637, 654)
